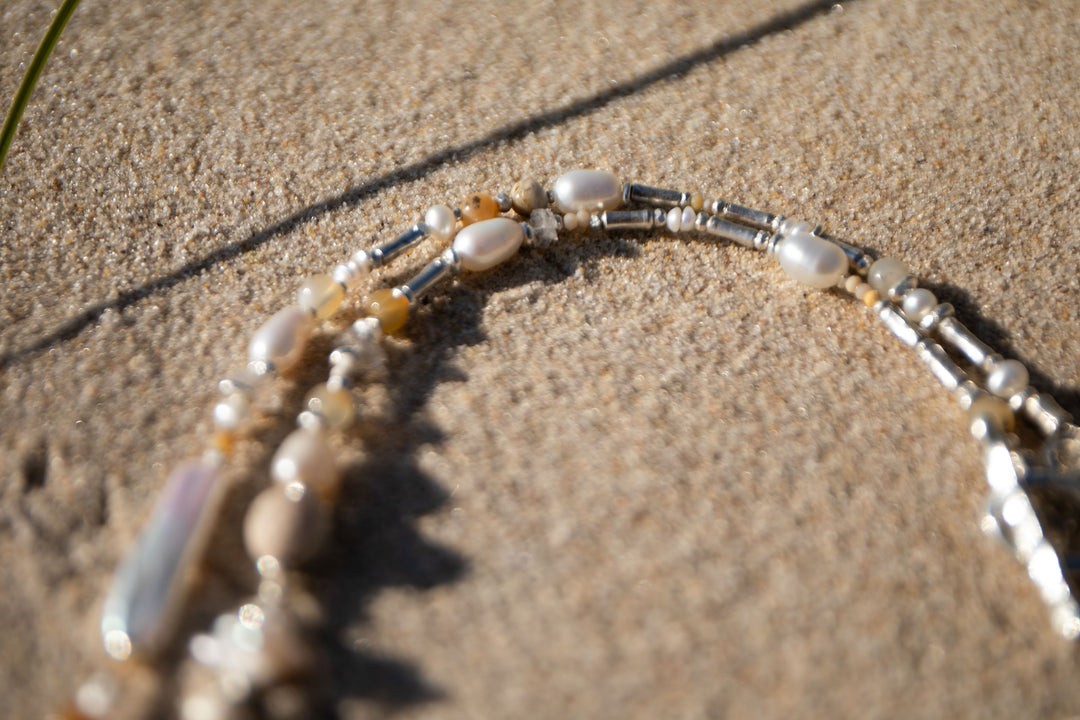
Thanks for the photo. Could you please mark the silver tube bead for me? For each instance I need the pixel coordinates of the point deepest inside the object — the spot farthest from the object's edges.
(741, 234)
(960, 337)
(1044, 412)
(388, 251)
(442, 267)
(655, 197)
(632, 219)
(757, 219)
(941, 366)
(898, 324)
(931, 320)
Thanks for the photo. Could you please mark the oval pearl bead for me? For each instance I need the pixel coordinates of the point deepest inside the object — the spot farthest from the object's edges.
(440, 222)
(812, 260)
(1007, 378)
(305, 457)
(486, 244)
(281, 339)
(918, 303)
(285, 526)
(591, 190)
(321, 296)
(886, 273)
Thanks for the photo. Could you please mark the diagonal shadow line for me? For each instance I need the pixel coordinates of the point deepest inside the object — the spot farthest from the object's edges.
(671, 70)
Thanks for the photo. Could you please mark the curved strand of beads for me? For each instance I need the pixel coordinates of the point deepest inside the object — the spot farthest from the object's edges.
(286, 522)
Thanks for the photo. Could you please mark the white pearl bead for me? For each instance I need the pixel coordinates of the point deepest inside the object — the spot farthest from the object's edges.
(812, 260)
(918, 303)
(570, 221)
(885, 273)
(592, 190)
(441, 222)
(305, 457)
(674, 220)
(281, 339)
(851, 283)
(1007, 378)
(688, 218)
(791, 226)
(487, 243)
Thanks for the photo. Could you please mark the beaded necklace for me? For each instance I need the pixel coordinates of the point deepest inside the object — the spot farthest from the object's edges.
(260, 645)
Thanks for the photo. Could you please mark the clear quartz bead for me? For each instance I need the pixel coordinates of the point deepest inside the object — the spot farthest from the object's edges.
(886, 273)
(544, 226)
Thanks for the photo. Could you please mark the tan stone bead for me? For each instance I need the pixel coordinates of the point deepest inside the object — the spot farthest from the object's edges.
(697, 201)
(993, 409)
(334, 405)
(321, 296)
(389, 308)
(223, 441)
(871, 298)
(528, 195)
(477, 207)
(286, 525)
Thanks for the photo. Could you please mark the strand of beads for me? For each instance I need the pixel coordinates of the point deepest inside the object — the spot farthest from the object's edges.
(261, 645)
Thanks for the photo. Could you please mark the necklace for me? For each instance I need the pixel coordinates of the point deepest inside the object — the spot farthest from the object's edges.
(258, 647)
(957, 165)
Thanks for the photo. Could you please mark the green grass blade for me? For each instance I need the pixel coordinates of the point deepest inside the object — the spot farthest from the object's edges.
(26, 87)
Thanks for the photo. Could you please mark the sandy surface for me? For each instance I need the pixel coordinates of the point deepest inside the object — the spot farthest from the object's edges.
(632, 476)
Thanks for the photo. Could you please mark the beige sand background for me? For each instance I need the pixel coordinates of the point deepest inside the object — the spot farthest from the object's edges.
(625, 477)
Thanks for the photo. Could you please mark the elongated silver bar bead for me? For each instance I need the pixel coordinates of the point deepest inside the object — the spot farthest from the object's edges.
(757, 219)
(960, 337)
(941, 366)
(898, 324)
(1044, 412)
(741, 234)
(442, 267)
(632, 219)
(388, 251)
(139, 611)
(656, 197)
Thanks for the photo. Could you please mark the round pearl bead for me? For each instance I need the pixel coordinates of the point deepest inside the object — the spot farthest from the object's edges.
(812, 260)
(591, 190)
(1007, 378)
(281, 339)
(918, 303)
(570, 221)
(305, 457)
(688, 218)
(321, 296)
(528, 195)
(886, 273)
(488, 243)
(288, 526)
(477, 207)
(674, 220)
(441, 222)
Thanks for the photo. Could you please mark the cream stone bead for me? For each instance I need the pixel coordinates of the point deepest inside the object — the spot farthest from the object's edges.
(280, 340)
(441, 222)
(886, 273)
(305, 457)
(485, 244)
(812, 260)
(591, 190)
(321, 296)
(1007, 378)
